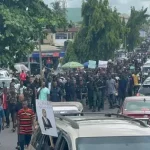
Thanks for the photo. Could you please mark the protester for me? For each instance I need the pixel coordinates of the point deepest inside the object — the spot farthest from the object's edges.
(136, 82)
(25, 124)
(28, 93)
(23, 76)
(18, 107)
(55, 94)
(21, 88)
(12, 100)
(1, 118)
(122, 89)
(43, 93)
(4, 98)
(111, 90)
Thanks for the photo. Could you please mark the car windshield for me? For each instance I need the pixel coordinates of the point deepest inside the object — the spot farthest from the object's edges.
(113, 143)
(7, 83)
(146, 82)
(146, 69)
(2, 75)
(137, 105)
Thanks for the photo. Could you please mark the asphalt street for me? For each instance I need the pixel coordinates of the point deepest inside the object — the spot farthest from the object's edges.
(8, 139)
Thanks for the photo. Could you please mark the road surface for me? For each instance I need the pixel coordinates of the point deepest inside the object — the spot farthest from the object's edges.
(8, 140)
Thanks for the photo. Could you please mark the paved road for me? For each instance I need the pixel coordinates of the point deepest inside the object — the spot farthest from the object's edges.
(9, 139)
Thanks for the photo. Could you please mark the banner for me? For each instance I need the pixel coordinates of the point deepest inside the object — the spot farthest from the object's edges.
(102, 64)
(46, 118)
(92, 64)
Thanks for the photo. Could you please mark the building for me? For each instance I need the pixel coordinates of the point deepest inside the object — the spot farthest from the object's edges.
(58, 38)
(49, 53)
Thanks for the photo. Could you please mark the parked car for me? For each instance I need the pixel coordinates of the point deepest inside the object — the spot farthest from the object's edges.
(144, 89)
(137, 107)
(4, 73)
(95, 131)
(6, 83)
(146, 68)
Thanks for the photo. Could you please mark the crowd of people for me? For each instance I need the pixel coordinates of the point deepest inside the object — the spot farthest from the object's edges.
(91, 87)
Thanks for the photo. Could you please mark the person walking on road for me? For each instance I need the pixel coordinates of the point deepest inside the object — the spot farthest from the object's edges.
(23, 76)
(25, 123)
(111, 90)
(18, 107)
(1, 117)
(4, 98)
(43, 93)
(12, 100)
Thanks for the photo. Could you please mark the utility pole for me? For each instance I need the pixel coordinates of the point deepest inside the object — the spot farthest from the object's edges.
(29, 67)
(40, 53)
(125, 43)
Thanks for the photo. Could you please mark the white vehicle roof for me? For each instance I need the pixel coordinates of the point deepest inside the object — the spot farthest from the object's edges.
(4, 73)
(147, 63)
(95, 126)
(8, 78)
(67, 107)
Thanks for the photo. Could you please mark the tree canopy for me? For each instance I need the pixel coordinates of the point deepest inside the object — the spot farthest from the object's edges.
(20, 22)
(100, 31)
(103, 30)
(135, 23)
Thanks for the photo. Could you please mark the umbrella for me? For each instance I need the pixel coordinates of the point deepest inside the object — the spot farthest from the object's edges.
(72, 65)
(86, 64)
(20, 67)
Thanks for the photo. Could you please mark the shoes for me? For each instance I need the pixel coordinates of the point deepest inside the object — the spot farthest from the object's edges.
(13, 130)
(7, 126)
(18, 148)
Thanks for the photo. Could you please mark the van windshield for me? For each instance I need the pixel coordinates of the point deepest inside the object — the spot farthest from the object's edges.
(146, 69)
(114, 143)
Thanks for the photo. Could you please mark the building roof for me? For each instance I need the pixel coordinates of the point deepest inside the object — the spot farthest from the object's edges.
(48, 48)
(74, 14)
(68, 30)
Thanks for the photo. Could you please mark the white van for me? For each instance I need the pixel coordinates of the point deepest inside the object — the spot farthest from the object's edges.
(146, 68)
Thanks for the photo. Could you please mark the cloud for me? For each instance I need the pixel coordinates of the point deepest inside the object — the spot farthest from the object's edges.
(123, 6)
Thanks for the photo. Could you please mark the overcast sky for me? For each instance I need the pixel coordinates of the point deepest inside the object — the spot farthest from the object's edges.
(123, 6)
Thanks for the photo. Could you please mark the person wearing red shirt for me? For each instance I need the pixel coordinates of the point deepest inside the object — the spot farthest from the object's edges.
(4, 98)
(25, 122)
(23, 76)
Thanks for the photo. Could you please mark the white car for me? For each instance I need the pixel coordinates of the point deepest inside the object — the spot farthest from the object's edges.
(4, 74)
(7, 81)
(95, 131)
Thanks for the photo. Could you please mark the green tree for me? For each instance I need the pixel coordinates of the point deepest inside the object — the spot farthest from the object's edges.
(70, 55)
(20, 23)
(99, 35)
(60, 15)
(135, 22)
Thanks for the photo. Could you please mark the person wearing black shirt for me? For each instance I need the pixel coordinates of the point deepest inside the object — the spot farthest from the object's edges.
(90, 88)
